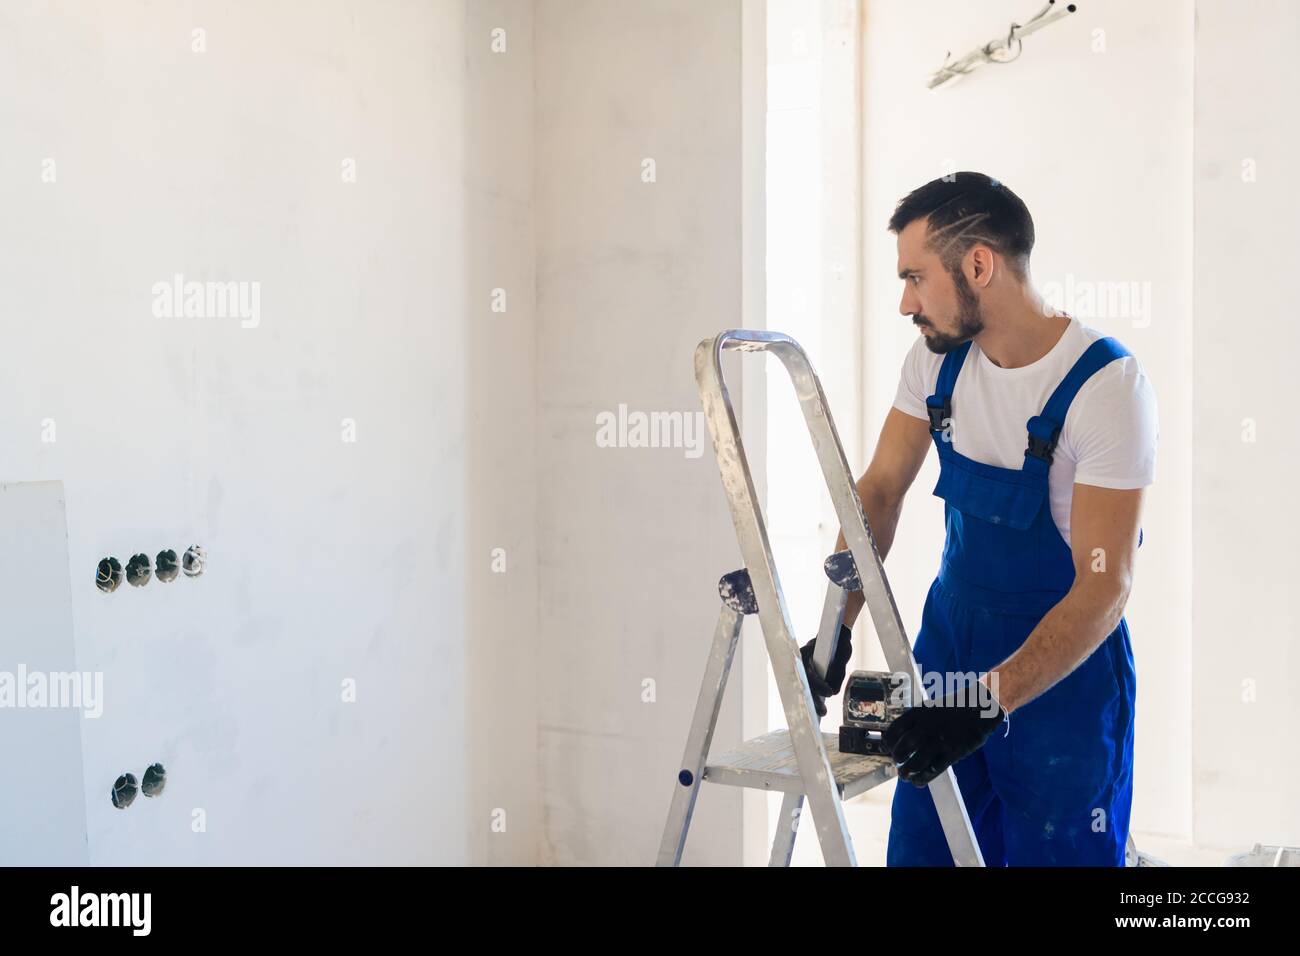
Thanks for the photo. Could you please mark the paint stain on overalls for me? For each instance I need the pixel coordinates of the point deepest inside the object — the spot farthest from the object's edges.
(1057, 788)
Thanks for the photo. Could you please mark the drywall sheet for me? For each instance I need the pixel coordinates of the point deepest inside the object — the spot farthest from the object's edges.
(42, 697)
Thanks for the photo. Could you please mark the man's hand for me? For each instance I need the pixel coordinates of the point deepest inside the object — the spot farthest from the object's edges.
(830, 685)
(931, 737)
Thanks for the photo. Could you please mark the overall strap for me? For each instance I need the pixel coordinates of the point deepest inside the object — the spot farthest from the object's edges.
(939, 405)
(1045, 428)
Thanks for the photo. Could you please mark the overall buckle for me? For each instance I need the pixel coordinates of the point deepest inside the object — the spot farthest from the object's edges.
(1042, 448)
(939, 414)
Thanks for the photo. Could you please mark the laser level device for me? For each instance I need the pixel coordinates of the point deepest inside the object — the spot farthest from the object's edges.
(872, 701)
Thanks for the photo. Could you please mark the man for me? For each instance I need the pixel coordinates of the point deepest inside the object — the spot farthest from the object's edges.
(1046, 433)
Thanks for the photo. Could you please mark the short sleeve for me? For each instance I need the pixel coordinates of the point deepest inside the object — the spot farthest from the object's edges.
(1113, 427)
(912, 386)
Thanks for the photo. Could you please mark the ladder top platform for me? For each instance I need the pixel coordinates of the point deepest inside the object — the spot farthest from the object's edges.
(768, 763)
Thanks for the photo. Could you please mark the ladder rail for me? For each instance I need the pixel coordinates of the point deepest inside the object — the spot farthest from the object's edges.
(756, 549)
(801, 717)
(828, 631)
(725, 637)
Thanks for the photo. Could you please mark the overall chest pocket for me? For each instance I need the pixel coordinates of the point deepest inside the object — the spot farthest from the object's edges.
(999, 496)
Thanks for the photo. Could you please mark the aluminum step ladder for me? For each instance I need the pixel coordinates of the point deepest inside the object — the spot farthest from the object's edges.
(800, 762)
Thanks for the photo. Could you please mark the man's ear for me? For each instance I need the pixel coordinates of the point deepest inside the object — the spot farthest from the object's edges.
(982, 261)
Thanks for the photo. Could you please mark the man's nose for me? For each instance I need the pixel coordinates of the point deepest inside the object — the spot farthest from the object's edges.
(907, 305)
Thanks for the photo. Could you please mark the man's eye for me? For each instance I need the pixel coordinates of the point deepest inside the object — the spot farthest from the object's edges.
(915, 279)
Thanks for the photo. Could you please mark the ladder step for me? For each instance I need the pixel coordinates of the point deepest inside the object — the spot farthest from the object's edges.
(768, 763)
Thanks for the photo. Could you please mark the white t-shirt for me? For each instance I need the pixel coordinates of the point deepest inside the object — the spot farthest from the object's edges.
(1110, 432)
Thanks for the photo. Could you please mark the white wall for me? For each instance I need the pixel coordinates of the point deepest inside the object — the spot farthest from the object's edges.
(328, 560)
(380, 560)
(814, 273)
(1245, 628)
(631, 276)
(1092, 127)
(752, 669)
(501, 557)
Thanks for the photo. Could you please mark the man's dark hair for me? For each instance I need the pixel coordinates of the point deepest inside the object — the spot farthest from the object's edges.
(965, 209)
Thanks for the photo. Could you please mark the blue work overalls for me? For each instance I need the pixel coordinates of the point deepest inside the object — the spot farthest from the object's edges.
(1054, 786)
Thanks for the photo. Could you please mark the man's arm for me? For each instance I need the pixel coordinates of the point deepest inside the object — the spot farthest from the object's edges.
(900, 452)
(1104, 526)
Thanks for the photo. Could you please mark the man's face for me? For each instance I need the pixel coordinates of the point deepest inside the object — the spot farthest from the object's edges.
(946, 311)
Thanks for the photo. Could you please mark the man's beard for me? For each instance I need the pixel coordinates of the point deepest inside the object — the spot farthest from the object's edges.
(970, 322)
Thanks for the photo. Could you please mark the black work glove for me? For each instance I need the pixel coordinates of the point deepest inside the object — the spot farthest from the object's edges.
(830, 685)
(930, 737)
